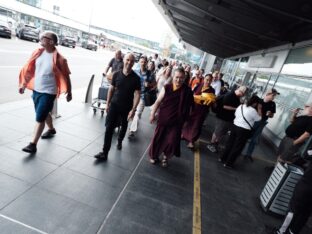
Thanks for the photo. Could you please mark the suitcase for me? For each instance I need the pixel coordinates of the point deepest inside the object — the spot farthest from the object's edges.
(100, 102)
(102, 95)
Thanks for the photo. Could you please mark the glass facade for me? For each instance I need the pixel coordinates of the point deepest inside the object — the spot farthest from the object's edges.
(34, 3)
(293, 81)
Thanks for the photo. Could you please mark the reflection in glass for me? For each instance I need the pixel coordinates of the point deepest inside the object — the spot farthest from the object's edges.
(294, 93)
(299, 62)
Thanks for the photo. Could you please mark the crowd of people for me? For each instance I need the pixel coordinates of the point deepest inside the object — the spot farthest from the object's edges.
(183, 100)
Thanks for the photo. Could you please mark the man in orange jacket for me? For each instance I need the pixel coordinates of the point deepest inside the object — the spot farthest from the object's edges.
(47, 74)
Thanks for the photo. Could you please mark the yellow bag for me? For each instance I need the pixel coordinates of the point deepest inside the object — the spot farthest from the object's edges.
(205, 99)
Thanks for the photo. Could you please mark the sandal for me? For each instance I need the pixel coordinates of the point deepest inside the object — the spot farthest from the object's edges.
(164, 162)
(153, 161)
(190, 146)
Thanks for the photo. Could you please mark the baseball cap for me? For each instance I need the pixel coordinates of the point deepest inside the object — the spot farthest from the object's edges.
(274, 91)
(308, 104)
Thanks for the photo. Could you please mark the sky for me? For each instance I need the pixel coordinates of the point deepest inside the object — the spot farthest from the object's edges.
(139, 18)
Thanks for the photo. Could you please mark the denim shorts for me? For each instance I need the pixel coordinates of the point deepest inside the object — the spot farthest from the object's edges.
(43, 105)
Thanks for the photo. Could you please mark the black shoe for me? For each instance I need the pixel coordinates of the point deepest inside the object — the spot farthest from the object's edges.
(48, 134)
(101, 156)
(131, 135)
(119, 145)
(31, 148)
(249, 158)
(227, 166)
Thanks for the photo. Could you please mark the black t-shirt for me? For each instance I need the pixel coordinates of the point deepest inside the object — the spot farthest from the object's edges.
(229, 99)
(267, 106)
(125, 87)
(299, 126)
(115, 64)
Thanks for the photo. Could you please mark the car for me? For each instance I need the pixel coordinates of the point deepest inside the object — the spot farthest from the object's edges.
(27, 32)
(67, 41)
(5, 30)
(90, 45)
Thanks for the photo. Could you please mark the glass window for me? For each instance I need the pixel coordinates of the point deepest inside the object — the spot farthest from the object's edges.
(294, 92)
(240, 72)
(299, 62)
(262, 82)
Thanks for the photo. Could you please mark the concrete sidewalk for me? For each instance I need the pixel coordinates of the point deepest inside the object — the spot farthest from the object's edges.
(62, 189)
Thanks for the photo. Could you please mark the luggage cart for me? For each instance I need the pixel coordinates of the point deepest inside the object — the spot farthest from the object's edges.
(99, 103)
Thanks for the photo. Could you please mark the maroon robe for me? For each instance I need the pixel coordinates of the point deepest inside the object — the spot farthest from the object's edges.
(173, 111)
(192, 128)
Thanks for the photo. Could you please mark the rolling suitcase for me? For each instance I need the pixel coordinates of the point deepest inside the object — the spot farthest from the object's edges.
(100, 101)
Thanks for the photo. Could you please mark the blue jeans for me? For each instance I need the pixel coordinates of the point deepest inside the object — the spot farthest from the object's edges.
(253, 141)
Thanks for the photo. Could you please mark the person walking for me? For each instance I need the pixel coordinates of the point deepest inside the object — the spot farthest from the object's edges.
(147, 82)
(174, 102)
(225, 116)
(122, 101)
(203, 96)
(47, 74)
(115, 64)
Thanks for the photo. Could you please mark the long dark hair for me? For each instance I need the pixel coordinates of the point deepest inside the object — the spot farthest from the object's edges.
(253, 100)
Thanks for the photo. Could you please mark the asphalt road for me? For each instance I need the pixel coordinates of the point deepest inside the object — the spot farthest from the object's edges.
(83, 63)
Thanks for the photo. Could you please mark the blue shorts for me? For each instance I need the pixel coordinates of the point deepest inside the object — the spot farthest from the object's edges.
(43, 105)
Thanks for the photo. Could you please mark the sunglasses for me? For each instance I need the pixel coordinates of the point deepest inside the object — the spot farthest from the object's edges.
(47, 38)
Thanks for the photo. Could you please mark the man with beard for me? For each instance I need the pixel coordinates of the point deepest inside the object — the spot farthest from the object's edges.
(47, 74)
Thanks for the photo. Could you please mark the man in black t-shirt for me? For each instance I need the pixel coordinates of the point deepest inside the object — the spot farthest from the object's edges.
(297, 133)
(268, 111)
(226, 116)
(122, 100)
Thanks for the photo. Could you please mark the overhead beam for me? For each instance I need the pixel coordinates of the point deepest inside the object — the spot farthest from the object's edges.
(278, 11)
(201, 27)
(228, 22)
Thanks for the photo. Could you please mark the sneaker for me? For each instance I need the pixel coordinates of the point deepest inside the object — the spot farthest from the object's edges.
(48, 134)
(249, 158)
(119, 145)
(31, 148)
(131, 135)
(101, 156)
(212, 148)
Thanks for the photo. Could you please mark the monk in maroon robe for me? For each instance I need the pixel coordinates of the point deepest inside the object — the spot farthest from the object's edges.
(174, 102)
(192, 128)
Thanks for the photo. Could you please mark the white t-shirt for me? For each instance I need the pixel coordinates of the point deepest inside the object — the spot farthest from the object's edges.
(250, 114)
(44, 77)
(217, 86)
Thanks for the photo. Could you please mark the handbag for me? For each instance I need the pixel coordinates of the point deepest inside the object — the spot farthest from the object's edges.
(252, 129)
(149, 97)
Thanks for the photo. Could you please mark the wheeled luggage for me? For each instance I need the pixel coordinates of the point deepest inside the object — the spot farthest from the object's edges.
(99, 103)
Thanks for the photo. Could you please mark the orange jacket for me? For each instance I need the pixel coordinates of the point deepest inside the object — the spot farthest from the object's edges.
(60, 70)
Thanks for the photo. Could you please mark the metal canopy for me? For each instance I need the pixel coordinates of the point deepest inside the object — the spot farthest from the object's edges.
(227, 28)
